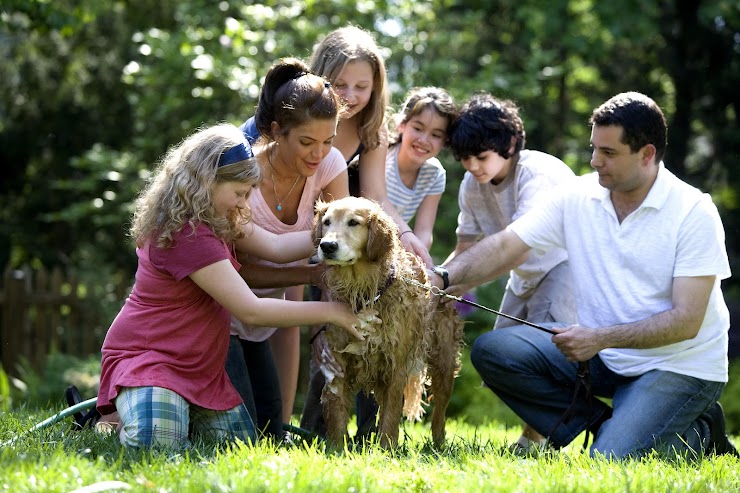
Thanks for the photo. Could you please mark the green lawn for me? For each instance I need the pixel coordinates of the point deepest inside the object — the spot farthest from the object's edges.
(475, 459)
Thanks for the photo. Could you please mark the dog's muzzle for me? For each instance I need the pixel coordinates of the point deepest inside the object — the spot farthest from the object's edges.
(329, 248)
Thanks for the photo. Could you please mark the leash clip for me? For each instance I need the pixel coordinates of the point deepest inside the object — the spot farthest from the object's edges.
(436, 291)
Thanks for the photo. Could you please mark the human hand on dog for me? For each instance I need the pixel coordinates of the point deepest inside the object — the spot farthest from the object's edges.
(346, 319)
(317, 275)
(323, 355)
(576, 342)
(411, 243)
(368, 321)
(458, 290)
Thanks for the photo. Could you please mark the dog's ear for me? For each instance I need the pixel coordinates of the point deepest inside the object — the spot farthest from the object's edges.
(381, 231)
(318, 221)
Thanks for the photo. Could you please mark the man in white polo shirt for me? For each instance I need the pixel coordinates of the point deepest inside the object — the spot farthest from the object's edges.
(647, 255)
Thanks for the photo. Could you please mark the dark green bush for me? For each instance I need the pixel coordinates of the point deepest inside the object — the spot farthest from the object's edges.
(46, 388)
(731, 398)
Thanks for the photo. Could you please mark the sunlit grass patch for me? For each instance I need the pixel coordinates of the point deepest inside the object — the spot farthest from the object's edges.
(473, 459)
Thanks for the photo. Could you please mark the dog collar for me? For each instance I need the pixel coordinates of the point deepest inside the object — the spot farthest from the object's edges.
(388, 281)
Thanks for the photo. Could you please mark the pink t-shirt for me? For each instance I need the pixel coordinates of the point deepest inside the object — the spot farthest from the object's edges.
(170, 333)
(331, 166)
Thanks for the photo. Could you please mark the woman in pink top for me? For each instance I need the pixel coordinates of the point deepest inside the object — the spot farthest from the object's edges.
(163, 357)
(293, 130)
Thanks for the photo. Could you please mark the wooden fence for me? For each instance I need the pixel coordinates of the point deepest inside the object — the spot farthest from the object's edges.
(44, 309)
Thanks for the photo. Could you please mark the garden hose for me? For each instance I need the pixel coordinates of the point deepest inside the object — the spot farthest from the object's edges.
(90, 403)
(82, 406)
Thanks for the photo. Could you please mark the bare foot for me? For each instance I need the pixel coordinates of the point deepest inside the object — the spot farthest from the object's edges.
(108, 423)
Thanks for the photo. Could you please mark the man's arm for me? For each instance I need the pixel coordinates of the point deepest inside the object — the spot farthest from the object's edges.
(459, 289)
(690, 299)
(487, 259)
(460, 247)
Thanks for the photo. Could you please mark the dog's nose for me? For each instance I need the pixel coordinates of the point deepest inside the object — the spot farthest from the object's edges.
(329, 247)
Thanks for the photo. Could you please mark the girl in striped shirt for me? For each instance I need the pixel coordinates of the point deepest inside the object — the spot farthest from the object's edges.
(415, 179)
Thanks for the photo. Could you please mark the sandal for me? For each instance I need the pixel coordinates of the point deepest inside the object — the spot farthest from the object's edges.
(89, 419)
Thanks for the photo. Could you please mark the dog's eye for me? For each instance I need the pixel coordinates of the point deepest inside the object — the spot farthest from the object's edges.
(327, 222)
(353, 222)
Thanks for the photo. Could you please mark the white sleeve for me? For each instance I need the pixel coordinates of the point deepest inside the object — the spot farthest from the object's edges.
(701, 243)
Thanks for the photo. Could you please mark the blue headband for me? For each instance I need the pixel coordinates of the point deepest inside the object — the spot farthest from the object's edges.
(240, 152)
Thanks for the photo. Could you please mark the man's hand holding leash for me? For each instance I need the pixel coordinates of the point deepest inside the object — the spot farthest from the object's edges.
(576, 342)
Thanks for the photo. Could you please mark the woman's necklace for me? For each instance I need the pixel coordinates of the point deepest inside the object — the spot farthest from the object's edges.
(279, 206)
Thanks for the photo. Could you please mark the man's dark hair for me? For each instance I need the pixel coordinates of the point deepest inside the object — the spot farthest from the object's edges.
(486, 123)
(641, 119)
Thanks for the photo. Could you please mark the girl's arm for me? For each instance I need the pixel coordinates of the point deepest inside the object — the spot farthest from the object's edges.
(224, 285)
(372, 186)
(280, 249)
(410, 241)
(372, 174)
(426, 214)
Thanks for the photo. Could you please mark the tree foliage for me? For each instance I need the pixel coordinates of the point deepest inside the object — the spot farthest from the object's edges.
(92, 93)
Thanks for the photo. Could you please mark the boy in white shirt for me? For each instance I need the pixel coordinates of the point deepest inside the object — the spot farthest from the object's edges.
(503, 181)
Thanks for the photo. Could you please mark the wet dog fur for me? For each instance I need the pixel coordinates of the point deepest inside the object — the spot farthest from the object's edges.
(419, 340)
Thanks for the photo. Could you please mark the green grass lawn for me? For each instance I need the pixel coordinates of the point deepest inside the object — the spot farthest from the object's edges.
(475, 459)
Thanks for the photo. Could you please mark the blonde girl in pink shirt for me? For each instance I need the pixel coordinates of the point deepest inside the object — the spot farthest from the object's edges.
(163, 357)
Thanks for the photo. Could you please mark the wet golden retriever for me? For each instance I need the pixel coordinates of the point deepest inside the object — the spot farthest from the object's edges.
(418, 340)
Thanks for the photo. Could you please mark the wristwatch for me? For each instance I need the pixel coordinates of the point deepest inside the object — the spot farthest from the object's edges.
(442, 272)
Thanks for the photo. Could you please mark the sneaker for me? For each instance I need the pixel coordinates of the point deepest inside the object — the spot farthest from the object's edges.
(719, 443)
(287, 439)
(531, 451)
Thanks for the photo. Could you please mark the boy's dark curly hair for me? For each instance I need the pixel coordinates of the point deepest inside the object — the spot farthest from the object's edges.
(486, 123)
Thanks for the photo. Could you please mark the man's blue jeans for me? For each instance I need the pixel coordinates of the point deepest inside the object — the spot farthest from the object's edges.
(658, 409)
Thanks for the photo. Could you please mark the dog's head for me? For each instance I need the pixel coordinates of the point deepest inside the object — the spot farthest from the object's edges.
(352, 229)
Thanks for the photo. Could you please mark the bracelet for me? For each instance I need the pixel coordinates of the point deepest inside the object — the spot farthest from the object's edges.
(313, 337)
(407, 231)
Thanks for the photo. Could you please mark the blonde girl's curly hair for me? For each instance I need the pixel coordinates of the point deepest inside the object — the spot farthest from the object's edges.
(180, 190)
(350, 44)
